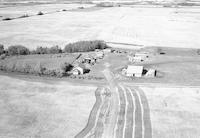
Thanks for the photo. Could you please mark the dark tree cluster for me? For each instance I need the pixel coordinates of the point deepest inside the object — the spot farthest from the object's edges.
(85, 46)
(18, 50)
(46, 50)
(80, 46)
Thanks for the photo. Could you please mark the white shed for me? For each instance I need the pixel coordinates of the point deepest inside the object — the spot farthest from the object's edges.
(99, 54)
(77, 71)
(107, 50)
(142, 54)
(151, 73)
(134, 71)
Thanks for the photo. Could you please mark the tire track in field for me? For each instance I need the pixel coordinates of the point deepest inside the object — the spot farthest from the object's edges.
(92, 132)
(102, 118)
(146, 114)
(93, 113)
(110, 128)
(121, 115)
(130, 116)
(138, 116)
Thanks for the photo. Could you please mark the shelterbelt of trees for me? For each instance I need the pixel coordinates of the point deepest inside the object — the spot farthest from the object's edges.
(80, 46)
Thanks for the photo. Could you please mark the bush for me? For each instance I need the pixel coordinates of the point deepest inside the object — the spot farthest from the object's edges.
(54, 50)
(39, 69)
(7, 19)
(40, 13)
(1, 49)
(85, 46)
(18, 50)
(24, 16)
(54, 73)
(26, 68)
(41, 50)
(3, 56)
(66, 67)
(198, 51)
(105, 4)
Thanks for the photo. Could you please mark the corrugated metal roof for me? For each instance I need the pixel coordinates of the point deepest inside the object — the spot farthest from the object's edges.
(134, 69)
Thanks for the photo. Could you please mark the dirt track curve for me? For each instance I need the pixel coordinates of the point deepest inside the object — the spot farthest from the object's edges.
(119, 112)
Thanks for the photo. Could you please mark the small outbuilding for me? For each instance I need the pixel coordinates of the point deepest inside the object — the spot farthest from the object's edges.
(134, 71)
(135, 58)
(89, 60)
(99, 55)
(151, 73)
(142, 54)
(78, 70)
(107, 50)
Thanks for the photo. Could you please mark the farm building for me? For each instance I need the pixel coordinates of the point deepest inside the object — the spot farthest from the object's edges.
(151, 73)
(142, 54)
(99, 55)
(107, 50)
(78, 70)
(135, 58)
(89, 60)
(134, 71)
(138, 57)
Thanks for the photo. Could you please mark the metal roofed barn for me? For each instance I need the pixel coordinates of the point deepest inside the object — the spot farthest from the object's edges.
(134, 71)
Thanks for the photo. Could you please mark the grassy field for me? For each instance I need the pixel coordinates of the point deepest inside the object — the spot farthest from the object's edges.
(174, 111)
(40, 109)
(129, 25)
(33, 64)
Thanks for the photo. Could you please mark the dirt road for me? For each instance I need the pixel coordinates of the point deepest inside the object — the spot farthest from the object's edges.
(119, 112)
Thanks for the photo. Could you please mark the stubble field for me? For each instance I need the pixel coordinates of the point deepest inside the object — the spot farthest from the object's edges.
(169, 27)
(60, 109)
(174, 111)
(40, 109)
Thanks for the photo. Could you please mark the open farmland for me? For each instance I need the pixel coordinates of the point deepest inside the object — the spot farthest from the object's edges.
(98, 96)
(174, 111)
(20, 10)
(171, 27)
(46, 109)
